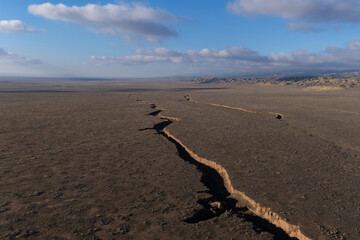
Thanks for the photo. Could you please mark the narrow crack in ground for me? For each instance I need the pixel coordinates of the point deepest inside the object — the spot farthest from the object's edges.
(278, 116)
(219, 202)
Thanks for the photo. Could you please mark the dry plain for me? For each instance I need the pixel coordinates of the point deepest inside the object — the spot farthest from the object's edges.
(122, 160)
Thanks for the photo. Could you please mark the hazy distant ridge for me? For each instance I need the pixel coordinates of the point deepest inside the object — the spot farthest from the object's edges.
(349, 81)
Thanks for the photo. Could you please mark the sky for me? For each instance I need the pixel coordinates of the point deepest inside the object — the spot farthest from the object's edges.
(159, 38)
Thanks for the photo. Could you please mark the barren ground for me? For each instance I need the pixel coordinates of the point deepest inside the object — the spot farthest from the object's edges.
(87, 160)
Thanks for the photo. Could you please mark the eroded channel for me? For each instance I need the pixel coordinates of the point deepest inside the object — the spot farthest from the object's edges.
(224, 197)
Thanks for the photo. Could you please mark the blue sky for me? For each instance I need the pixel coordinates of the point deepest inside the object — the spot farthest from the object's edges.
(165, 38)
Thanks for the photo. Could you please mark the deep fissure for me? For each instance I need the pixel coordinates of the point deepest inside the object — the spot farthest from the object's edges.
(220, 201)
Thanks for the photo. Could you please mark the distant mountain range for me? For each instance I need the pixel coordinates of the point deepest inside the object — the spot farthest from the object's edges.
(332, 80)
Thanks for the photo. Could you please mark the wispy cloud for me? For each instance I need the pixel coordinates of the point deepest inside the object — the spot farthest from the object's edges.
(311, 11)
(15, 26)
(11, 58)
(165, 55)
(244, 59)
(131, 21)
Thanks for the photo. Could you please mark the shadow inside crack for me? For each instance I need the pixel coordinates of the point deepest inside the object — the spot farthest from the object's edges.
(262, 225)
(211, 208)
(155, 113)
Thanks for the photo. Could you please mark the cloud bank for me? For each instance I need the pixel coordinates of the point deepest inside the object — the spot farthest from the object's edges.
(191, 56)
(11, 58)
(244, 59)
(14, 26)
(311, 11)
(131, 21)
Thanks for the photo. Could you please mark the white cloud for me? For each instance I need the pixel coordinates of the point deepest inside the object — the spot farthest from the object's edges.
(313, 11)
(317, 10)
(132, 21)
(11, 58)
(141, 57)
(14, 26)
(244, 59)
(165, 55)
